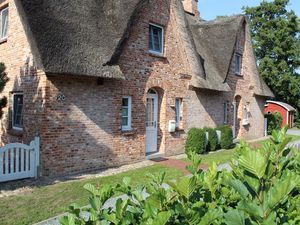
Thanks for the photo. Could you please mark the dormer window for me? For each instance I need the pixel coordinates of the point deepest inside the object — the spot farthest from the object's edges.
(238, 64)
(156, 39)
(3, 23)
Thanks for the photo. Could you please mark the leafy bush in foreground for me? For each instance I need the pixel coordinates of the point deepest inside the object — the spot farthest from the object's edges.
(196, 141)
(226, 136)
(262, 189)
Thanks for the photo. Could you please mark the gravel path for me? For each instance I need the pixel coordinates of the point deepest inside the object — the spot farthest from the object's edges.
(293, 132)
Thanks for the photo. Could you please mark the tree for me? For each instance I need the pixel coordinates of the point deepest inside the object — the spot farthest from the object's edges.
(3, 81)
(276, 39)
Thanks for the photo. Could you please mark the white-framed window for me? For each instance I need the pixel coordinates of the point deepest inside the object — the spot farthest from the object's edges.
(17, 111)
(225, 112)
(178, 110)
(238, 64)
(126, 112)
(3, 23)
(156, 39)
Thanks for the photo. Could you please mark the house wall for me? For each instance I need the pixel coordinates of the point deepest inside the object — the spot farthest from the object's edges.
(15, 53)
(82, 131)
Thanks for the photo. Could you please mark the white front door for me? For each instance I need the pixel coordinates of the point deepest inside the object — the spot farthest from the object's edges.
(151, 123)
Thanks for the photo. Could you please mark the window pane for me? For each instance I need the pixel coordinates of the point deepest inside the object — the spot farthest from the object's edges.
(124, 112)
(125, 102)
(124, 121)
(17, 110)
(4, 23)
(178, 111)
(238, 64)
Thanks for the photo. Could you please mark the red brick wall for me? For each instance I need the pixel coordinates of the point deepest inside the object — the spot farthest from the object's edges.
(16, 54)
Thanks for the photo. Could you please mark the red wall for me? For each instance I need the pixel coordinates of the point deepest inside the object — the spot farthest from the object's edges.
(272, 107)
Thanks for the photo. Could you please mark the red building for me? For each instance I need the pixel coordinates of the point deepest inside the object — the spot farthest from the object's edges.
(287, 112)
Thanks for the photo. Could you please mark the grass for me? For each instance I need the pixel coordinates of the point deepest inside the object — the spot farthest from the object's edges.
(48, 201)
(219, 157)
(222, 156)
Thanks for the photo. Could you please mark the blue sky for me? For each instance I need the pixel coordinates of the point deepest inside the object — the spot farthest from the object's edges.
(209, 9)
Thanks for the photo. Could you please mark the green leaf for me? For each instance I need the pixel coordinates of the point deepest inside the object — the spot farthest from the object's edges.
(251, 208)
(239, 187)
(112, 218)
(184, 186)
(211, 216)
(95, 203)
(162, 218)
(254, 162)
(67, 220)
(91, 188)
(280, 191)
(235, 217)
(127, 181)
(121, 207)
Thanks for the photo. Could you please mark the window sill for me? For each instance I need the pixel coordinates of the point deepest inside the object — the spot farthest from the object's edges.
(16, 132)
(157, 55)
(3, 40)
(179, 129)
(239, 74)
(128, 132)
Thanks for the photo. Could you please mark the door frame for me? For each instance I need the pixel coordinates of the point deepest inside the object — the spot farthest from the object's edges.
(234, 104)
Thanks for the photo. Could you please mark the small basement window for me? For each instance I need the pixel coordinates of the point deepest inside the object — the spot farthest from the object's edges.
(3, 23)
(156, 39)
(126, 113)
(238, 64)
(17, 111)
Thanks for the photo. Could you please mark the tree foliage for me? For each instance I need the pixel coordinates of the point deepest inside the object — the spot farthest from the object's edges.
(276, 38)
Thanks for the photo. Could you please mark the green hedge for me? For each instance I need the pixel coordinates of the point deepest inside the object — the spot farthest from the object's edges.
(274, 122)
(212, 144)
(226, 136)
(196, 141)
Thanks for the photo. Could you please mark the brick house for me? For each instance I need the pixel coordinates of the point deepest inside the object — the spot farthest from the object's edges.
(100, 81)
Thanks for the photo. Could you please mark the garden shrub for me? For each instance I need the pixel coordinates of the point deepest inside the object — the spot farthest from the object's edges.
(196, 141)
(260, 189)
(274, 121)
(212, 143)
(226, 136)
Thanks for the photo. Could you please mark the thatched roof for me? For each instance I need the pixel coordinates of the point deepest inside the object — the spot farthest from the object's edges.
(86, 37)
(215, 42)
(80, 37)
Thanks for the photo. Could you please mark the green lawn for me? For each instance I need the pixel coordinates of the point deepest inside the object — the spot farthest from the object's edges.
(219, 157)
(48, 201)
